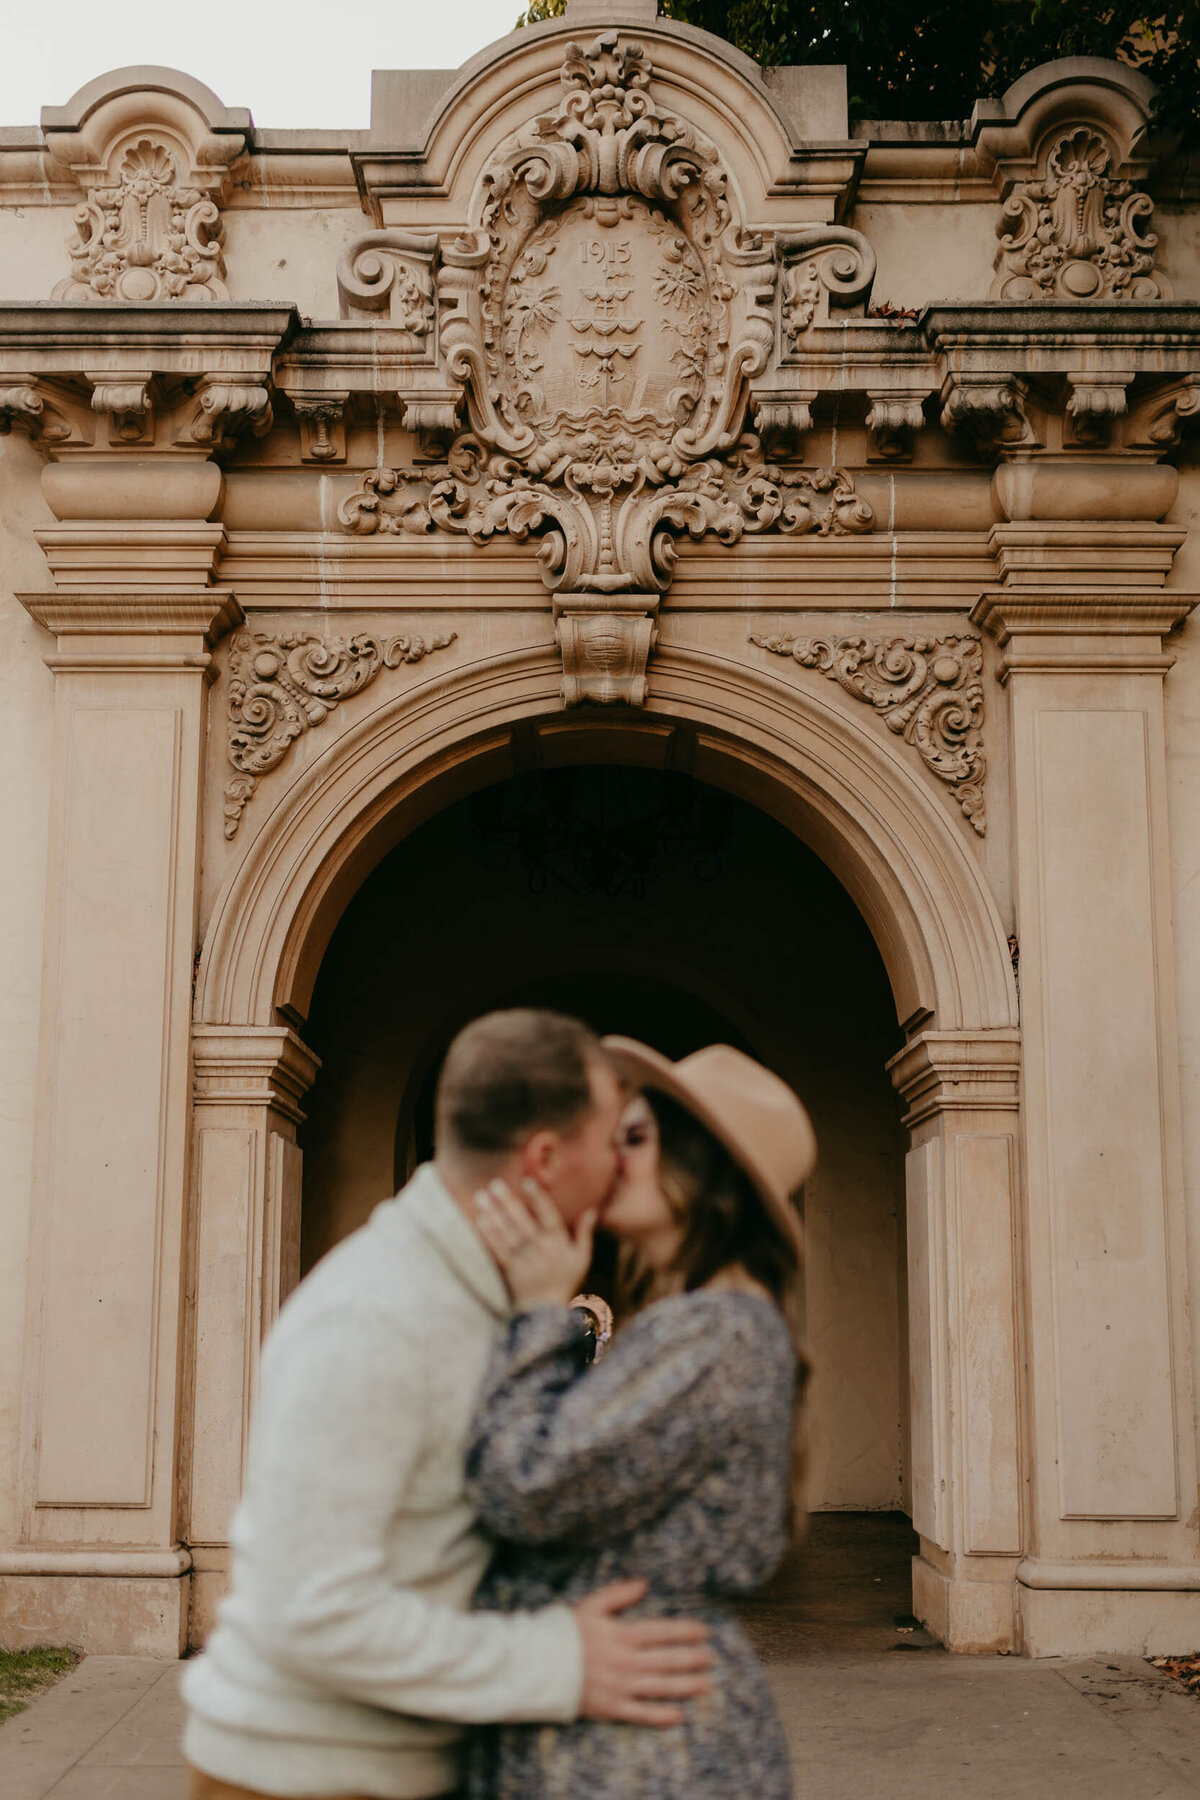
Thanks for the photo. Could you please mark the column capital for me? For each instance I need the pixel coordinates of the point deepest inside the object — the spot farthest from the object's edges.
(119, 631)
(252, 1065)
(958, 1071)
(1105, 632)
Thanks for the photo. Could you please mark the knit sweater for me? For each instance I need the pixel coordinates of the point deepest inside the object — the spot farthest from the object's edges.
(345, 1659)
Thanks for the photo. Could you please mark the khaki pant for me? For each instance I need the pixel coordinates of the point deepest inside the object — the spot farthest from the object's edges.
(206, 1787)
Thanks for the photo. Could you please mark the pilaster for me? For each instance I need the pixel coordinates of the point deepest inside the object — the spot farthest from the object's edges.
(245, 1259)
(1112, 1561)
(133, 626)
(961, 1090)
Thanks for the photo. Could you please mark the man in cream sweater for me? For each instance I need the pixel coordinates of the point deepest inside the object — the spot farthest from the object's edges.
(346, 1661)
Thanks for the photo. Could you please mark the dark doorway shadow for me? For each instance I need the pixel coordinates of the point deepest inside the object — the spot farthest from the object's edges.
(846, 1586)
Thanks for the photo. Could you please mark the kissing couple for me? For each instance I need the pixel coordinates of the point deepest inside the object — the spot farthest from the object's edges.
(469, 1560)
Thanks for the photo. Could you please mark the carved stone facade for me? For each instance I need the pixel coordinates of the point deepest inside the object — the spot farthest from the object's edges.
(640, 420)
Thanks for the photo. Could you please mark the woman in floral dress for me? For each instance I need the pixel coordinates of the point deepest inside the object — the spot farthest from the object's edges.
(673, 1459)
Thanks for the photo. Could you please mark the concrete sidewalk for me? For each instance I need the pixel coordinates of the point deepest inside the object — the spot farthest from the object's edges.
(863, 1726)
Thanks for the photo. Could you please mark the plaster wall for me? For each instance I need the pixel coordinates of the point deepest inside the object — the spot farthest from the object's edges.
(26, 712)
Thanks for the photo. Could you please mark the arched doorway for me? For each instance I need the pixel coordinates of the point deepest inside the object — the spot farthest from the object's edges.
(866, 820)
(655, 905)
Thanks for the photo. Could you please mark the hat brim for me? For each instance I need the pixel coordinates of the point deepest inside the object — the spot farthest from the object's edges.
(645, 1067)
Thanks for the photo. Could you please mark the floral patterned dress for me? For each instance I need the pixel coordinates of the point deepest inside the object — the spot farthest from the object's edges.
(669, 1459)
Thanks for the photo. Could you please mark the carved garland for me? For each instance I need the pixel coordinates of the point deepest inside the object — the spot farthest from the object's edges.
(281, 687)
(927, 690)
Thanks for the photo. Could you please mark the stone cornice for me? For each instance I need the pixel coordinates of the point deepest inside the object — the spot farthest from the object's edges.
(234, 337)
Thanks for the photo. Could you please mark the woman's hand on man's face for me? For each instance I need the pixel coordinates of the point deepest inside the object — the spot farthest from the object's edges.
(543, 1263)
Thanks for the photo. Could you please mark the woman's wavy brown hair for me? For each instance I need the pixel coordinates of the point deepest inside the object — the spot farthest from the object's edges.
(726, 1226)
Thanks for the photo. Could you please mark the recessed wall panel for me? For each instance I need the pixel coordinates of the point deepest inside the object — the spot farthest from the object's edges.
(1105, 1164)
(114, 920)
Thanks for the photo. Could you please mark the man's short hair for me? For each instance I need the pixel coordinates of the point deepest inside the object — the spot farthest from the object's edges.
(510, 1074)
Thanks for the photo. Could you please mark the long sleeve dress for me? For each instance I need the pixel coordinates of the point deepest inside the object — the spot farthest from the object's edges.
(670, 1459)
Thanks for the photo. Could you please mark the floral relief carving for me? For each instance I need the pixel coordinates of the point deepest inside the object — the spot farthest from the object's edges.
(929, 691)
(1078, 233)
(282, 686)
(147, 236)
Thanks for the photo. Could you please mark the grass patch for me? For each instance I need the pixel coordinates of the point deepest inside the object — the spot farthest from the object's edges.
(24, 1674)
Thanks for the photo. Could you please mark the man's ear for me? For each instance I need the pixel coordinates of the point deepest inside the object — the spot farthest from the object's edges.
(540, 1156)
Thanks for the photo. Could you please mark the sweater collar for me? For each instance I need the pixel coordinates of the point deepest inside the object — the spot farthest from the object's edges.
(433, 1209)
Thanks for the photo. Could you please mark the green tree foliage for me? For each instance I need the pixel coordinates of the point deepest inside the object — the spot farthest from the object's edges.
(933, 59)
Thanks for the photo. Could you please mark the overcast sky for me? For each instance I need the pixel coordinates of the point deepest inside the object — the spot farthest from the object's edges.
(299, 63)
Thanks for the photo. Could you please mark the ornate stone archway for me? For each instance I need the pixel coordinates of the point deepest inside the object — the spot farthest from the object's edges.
(901, 855)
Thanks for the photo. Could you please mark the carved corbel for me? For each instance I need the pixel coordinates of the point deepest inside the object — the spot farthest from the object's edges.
(390, 274)
(1093, 404)
(893, 421)
(783, 420)
(322, 421)
(433, 423)
(605, 653)
(1160, 420)
(227, 408)
(991, 409)
(826, 269)
(22, 403)
(126, 404)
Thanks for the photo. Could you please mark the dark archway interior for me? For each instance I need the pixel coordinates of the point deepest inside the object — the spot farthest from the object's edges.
(663, 908)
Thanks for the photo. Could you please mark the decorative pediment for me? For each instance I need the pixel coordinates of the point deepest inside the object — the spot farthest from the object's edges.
(152, 150)
(605, 315)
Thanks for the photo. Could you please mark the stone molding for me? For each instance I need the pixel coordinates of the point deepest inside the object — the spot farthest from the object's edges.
(929, 691)
(139, 1564)
(1099, 633)
(123, 632)
(248, 1065)
(281, 686)
(958, 1071)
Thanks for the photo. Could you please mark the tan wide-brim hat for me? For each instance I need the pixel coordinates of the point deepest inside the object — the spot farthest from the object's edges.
(751, 1112)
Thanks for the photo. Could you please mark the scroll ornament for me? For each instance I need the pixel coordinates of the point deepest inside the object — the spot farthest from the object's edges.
(929, 691)
(739, 494)
(147, 237)
(1078, 233)
(281, 687)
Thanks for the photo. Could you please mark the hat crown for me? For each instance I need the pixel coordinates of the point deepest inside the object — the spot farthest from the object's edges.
(756, 1108)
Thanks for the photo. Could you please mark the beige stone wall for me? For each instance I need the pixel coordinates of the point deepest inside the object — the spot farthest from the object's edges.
(1182, 702)
(25, 739)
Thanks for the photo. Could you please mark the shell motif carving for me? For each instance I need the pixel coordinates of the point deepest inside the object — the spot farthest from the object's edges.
(281, 687)
(929, 691)
(148, 237)
(1078, 233)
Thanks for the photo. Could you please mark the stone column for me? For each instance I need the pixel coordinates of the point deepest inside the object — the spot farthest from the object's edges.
(246, 1186)
(1111, 1559)
(964, 1333)
(134, 617)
